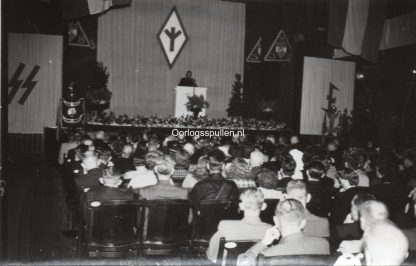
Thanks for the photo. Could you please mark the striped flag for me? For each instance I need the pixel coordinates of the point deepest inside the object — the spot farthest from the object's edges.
(356, 26)
(73, 9)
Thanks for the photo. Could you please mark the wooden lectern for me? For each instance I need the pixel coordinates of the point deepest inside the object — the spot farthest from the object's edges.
(181, 94)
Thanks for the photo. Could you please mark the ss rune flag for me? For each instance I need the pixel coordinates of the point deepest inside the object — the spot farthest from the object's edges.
(172, 37)
(280, 50)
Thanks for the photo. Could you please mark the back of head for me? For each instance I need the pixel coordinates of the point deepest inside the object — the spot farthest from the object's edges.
(316, 169)
(372, 212)
(348, 175)
(90, 162)
(251, 199)
(267, 179)
(290, 211)
(296, 189)
(182, 158)
(357, 201)
(239, 169)
(256, 158)
(288, 164)
(164, 167)
(112, 178)
(152, 158)
(216, 160)
(99, 134)
(385, 244)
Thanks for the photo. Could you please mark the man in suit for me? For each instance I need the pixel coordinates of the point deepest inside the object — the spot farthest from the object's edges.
(165, 188)
(215, 186)
(110, 188)
(320, 195)
(188, 81)
(289, 221)
(249, 228)
(92, 172)
(315, 226)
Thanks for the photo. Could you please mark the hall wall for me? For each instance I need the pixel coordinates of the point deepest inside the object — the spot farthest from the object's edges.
(140, 78)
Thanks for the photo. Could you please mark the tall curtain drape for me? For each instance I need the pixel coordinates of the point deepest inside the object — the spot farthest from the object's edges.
(140, 78)
(318, 73)
(29, 52)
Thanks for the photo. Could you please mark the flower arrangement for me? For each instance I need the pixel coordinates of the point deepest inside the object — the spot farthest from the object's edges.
(196, 103)
(182, 122)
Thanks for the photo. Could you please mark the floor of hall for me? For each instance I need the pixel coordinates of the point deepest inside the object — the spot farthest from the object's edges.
(36, 219)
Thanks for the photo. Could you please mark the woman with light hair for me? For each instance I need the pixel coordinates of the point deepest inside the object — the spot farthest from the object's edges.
(240, 172)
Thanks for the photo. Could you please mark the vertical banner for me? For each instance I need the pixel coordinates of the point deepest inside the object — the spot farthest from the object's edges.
(34, 81)
(318, 75)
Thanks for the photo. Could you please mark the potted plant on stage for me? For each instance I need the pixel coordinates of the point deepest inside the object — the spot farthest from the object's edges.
(97, 94)
(196, 103)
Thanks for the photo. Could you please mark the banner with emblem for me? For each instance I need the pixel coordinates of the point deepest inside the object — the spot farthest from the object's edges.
(255, 54)
(34, 81)
(280, 49)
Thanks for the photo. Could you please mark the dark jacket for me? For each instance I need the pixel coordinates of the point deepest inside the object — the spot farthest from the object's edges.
(342, 206)
(208, 188)
(91, 179)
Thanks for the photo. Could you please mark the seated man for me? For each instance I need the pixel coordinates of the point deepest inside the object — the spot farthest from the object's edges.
(215, 186)
(249, 228)
(93, 173)
(315, 225)
(164, 189)
(371, 212)
(110, 188)
(320, 203)
(351, 226)
(125, 162)
(289, 221)
(144, 175)
(385, 244)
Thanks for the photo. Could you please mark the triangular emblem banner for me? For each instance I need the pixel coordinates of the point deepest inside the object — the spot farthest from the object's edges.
(280, 50)
(255, 54)
(77, 35)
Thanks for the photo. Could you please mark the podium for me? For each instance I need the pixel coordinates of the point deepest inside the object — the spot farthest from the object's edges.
(181, 94)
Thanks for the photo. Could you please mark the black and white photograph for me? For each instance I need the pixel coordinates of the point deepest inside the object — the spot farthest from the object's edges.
(208, 132)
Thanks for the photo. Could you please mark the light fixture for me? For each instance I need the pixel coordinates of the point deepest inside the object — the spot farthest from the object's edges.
(360, 76)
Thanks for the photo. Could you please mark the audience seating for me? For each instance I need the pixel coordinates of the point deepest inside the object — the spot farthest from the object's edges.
(166, 227)
(207, 216)
(111, 229)
(267, 214)
(229, 250)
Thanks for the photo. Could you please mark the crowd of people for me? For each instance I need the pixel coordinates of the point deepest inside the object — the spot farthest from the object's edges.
(359, 191)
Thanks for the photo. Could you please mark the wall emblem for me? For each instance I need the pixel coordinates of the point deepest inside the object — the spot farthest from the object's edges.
(280, 50)
(172, 37)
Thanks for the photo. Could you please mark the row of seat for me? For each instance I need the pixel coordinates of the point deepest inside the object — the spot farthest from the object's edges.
(120, 228)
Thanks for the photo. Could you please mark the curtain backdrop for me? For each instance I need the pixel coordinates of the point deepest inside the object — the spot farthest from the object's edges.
(34, 62)
(140, 78)
(318, 73)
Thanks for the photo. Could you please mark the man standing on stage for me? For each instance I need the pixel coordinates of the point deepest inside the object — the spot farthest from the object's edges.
(188, 81)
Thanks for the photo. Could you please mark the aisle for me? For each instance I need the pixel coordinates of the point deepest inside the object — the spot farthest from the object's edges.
(39, 225)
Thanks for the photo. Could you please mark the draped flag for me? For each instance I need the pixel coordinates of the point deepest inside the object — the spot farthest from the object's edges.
(356, 26)
(72, 9)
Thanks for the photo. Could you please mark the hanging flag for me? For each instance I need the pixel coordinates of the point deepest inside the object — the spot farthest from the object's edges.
(280, 50)
(255, 54)
(356, 26)
(72, 9)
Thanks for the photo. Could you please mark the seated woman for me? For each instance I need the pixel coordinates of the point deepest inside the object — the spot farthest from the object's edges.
(240, 172)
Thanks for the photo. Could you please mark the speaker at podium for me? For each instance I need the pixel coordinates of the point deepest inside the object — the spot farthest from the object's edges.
(181, 94)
